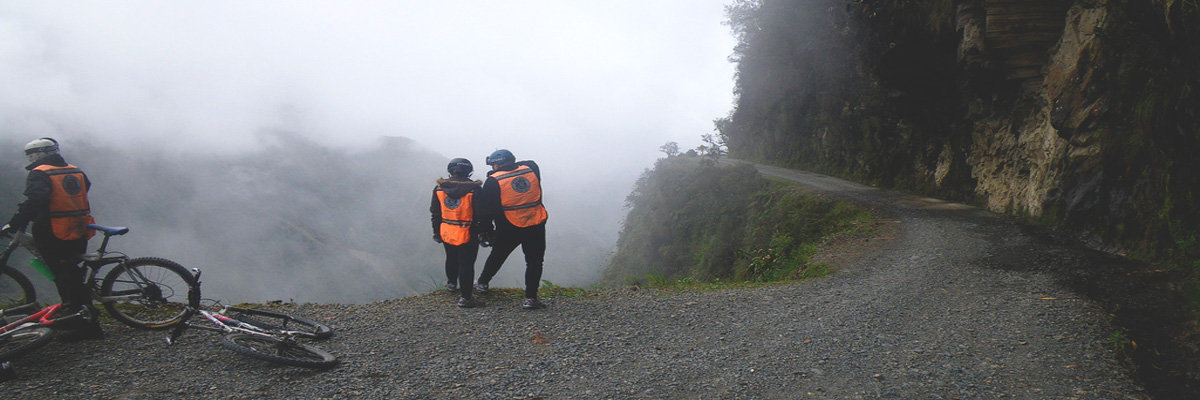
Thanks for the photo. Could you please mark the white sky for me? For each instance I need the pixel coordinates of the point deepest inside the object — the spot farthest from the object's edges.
(597, 85)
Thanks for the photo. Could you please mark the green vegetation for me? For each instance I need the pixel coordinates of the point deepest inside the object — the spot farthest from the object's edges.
(696, 224)
(550, 290)
(1121, 343)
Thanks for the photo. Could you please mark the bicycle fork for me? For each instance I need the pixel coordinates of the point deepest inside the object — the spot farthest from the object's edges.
(193, 292)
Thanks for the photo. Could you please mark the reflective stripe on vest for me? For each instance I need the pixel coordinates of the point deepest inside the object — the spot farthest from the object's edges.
(520, 196)
(457, 214)
(69, 211)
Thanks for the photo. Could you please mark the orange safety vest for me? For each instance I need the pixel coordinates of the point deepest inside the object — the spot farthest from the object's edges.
(69, 211)
(457, 215)
(520, 196)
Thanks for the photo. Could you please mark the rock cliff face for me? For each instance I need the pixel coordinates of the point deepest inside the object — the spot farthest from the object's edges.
(1018, 160)
(1079, 114)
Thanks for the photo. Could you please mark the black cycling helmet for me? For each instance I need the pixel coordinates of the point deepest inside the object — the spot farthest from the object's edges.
(501, 157)
(460, 167)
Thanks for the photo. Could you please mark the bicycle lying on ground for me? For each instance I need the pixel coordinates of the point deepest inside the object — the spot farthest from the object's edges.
(29, 332)
(265, 335)
(145, 293)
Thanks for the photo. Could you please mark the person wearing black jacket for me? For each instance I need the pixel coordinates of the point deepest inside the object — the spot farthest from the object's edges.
(512, 204)
(456, 225)
(56, 203)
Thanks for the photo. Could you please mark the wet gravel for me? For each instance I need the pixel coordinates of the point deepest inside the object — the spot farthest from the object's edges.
(927, 309)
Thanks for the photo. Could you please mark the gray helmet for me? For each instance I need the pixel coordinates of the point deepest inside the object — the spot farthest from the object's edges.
(40, 148)
(460, 167)
(501, 157)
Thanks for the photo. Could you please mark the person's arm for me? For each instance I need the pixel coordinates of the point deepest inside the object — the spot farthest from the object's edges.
(37, 200)
(479, 221)
(488, 208)
(435, 211)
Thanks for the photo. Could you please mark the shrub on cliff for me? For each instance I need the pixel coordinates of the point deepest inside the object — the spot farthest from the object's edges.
(698, 220)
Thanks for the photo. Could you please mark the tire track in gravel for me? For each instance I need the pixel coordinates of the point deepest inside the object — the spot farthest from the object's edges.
(926, 312)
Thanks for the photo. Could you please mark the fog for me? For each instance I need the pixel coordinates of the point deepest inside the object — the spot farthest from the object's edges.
(288, 148)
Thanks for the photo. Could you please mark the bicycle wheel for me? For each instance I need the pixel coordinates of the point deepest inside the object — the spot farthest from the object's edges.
(15, 288)
(16, 343)
(271, 320)
(268, 348)
(149, 292)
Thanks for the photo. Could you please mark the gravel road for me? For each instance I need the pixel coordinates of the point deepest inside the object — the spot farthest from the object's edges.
(947, 302)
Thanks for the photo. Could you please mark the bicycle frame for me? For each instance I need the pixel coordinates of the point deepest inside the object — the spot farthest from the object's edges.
(93, 261)
(44, 317)
(96, 260)
(229, 325)
(223, 323)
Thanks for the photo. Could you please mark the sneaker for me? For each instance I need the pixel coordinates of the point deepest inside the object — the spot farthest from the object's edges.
(533, 304)
(481, 287)
(451, 286)
(469, 303)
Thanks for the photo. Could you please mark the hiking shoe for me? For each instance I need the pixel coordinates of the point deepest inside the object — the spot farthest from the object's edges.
(533, 304)
(481, 287)
(469, 303)
(451, 286)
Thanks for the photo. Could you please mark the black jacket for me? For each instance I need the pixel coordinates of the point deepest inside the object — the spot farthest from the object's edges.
(489, 204)
(455, 188)
(36, 207)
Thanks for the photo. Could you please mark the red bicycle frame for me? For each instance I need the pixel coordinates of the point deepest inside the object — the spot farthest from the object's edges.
(44, 317)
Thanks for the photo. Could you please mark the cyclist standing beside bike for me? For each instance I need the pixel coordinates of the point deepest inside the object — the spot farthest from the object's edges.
(56, 203)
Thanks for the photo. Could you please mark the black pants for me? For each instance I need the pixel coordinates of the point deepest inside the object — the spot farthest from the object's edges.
(460, 265)
(62, 256)
(533, 243)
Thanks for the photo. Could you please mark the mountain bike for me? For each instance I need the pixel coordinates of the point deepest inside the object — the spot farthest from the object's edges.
(266, 335)
(145, 292)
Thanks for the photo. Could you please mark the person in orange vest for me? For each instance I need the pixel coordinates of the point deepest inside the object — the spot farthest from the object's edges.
(512, 204)
(56, 203)
(456, 225)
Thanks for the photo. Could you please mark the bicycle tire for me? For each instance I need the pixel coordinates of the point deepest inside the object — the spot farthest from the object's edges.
(156, 303)
(15, 288)
(271, 320)
(274, 350)
(16, 344)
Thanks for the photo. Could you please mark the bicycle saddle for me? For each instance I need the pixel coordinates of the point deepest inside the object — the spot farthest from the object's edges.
(110, 231)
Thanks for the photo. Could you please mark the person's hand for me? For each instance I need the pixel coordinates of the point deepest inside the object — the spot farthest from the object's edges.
(485, 239)
(437, 238)
(7, 230)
